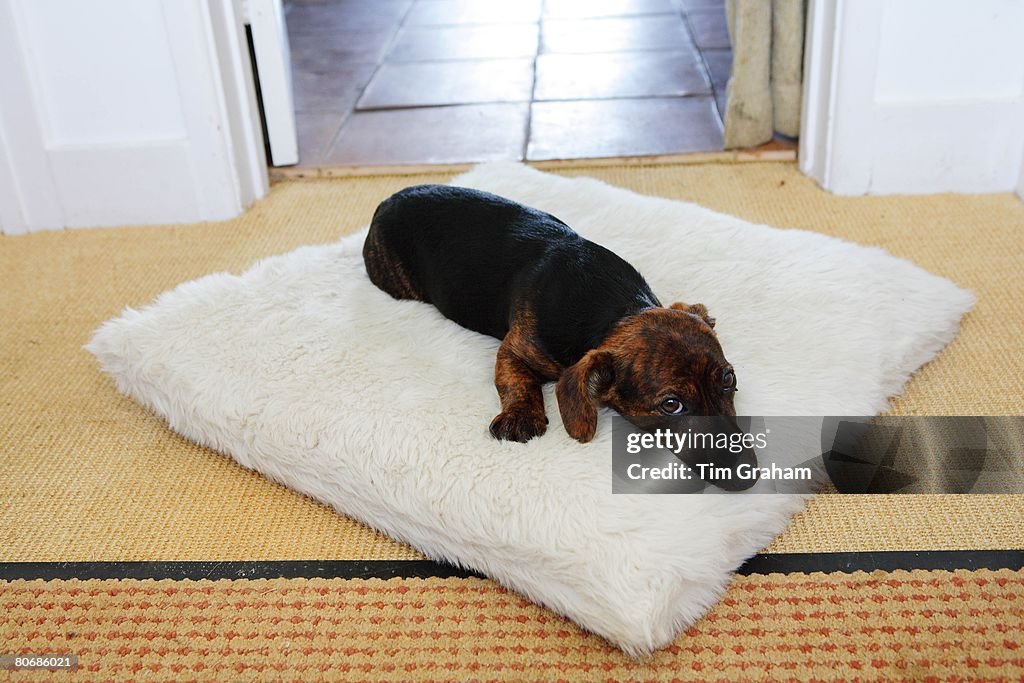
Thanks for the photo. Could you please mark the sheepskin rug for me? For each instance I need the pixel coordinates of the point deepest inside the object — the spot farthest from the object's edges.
(302, 370)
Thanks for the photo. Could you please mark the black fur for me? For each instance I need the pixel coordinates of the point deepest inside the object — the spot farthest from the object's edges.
(480, 259)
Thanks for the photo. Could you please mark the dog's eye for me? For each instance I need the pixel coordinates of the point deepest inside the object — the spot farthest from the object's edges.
(672, 406)
(728, 381)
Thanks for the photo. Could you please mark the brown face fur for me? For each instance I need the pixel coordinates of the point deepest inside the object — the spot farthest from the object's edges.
(654, 356)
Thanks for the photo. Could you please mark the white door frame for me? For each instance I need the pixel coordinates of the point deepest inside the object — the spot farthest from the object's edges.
(239, 89)
(1020, 182)
(818, 107)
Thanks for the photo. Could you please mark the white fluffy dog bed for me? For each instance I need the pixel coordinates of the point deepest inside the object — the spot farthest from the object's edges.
(302, 370)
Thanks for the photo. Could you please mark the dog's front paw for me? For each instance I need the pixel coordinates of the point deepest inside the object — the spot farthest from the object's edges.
(518, 425)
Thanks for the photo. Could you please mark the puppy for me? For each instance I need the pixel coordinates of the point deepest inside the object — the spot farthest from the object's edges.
(565, 309)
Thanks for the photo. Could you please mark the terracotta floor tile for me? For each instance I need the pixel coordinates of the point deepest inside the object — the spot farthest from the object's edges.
(606, 128)
(658, 32)
(316, 131)
(620, 74)
(325, 52)
(480, 41)
(350, 15)
(333, 91)
(720, 67)
(408, 84)
(710, 29)
(434, 135)
(584, 9)
(447, 12)
(450, 81)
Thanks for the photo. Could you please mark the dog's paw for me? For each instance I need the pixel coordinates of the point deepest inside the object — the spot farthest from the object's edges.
(518, 425)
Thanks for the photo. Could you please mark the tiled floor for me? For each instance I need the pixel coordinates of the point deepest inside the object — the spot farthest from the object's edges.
(452, 81)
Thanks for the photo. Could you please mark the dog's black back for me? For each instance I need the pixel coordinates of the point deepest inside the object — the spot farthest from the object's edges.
(483, 259)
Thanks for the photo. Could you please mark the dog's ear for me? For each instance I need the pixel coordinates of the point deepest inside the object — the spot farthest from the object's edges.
(699, 310)
(578, 391)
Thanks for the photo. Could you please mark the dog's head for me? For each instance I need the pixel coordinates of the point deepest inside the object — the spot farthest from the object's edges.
(660, 362)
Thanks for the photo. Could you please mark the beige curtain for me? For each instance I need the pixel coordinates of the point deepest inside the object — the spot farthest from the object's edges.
(765, 87)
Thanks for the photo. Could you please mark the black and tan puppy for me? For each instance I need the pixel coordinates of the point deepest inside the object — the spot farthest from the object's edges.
(566, 310)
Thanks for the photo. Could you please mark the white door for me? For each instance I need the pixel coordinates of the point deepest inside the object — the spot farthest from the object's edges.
(274, 71)
(125, 111)
(914, 96)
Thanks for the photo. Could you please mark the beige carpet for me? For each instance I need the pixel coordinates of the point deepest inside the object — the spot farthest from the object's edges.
(88, 475)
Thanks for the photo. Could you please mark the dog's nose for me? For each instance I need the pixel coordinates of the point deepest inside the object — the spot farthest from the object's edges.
(723, 460)
(743, 469)
(741, 465)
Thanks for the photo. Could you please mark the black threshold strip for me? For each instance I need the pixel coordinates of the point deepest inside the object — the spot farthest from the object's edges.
(765, 563)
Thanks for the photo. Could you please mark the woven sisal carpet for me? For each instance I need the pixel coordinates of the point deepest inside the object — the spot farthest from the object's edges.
(86, 475)
(882, 625)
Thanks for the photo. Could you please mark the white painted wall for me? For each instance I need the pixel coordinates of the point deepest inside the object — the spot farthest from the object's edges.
(125, 111)
(914, 96)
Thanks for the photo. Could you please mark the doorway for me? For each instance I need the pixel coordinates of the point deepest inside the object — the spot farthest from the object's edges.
(391, 82)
